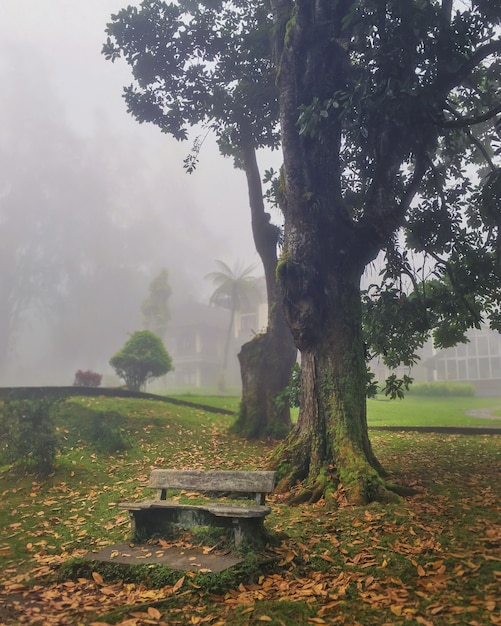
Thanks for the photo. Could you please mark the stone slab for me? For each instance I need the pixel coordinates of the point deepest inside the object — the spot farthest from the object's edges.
(186, 559)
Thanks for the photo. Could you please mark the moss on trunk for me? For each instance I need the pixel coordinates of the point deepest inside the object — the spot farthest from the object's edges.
(329, 448)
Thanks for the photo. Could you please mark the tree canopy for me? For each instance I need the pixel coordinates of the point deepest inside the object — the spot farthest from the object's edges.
(204, 64)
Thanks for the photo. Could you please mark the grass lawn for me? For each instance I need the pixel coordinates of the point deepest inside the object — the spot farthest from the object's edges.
(411, 411)
(432, 559)
(425, 411)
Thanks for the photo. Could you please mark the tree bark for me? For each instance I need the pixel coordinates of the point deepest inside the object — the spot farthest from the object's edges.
(267, 360)
(324, 256)
(330, 444)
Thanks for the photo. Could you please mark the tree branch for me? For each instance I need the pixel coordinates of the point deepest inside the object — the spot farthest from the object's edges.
(477, 57)
(450, 273)
(461, 122)
(472, 137)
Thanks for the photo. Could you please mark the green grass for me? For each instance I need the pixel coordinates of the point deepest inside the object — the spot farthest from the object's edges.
(424, 411)
(432, 558)
(411, 411)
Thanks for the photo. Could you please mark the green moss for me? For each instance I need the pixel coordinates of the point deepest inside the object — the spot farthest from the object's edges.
(289, 28)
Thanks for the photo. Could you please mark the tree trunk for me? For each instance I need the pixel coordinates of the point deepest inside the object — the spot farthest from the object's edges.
(325, 253)
(330, 444)
(267, 360)
(266, 364)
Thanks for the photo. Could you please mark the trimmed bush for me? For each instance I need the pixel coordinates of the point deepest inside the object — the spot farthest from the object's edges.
(442, 389)
(142, 358)
(87, 379)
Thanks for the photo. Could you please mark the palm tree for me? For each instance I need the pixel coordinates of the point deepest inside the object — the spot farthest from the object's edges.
(237, 291)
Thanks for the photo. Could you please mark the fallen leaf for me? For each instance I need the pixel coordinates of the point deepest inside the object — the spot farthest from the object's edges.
(178, 585)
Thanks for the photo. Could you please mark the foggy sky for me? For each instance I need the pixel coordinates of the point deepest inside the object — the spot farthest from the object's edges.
(67, 37)
(60, 92)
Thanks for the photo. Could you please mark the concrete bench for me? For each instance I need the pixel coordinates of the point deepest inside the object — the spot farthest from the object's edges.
(156, 517)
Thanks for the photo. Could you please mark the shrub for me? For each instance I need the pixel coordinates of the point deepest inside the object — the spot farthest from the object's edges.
(106, 432)
(28, 433)
(142, 358)
(442, 389)
(292, 393)
(87, 379)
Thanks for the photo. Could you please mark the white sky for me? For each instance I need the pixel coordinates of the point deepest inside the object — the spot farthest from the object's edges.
(68, 35)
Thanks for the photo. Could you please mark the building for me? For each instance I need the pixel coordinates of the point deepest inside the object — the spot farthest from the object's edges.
(196, 340)
(477, 362)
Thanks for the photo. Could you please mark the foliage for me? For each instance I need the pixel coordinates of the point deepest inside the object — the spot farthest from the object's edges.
(292, 393)
(372, 385)
(142, 359)
(442, 390)
(199, 64)
(28, 434)
(155, 308)
(395, 387)
(87, 378)
(235, 288)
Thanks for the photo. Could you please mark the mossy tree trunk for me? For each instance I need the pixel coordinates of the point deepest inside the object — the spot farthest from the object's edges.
(330, 443)
(267, 360)
(325, 253)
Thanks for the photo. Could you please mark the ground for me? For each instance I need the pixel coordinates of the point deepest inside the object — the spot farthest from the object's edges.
(432, 559)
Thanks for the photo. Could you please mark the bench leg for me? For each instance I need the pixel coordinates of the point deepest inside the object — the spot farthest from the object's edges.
(247, 528)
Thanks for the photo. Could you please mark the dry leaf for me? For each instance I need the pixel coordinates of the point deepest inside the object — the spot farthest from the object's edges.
(178, 585)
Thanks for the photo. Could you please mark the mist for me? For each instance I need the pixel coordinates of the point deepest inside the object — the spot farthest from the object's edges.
(92, 204)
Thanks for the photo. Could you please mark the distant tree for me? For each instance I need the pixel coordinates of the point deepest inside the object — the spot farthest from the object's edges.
(142, 359)
(207, 65)
(155, 308)
(237, 291)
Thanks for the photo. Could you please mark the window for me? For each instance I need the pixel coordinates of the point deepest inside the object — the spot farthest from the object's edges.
(472, 369)
(496, 367)
(462, 370)
(484, 371)
(482, 345)
(452, 369)
(441, 370)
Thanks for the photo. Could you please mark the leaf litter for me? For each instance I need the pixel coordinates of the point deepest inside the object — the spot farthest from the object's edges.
(434, 559)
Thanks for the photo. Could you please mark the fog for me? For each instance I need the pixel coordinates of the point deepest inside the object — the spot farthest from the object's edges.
(92, 204)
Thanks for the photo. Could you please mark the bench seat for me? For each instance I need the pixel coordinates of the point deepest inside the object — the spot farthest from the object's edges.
(155, 517)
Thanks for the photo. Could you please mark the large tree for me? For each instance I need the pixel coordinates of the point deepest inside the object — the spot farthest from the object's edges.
(208, 65)
(383, 105)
